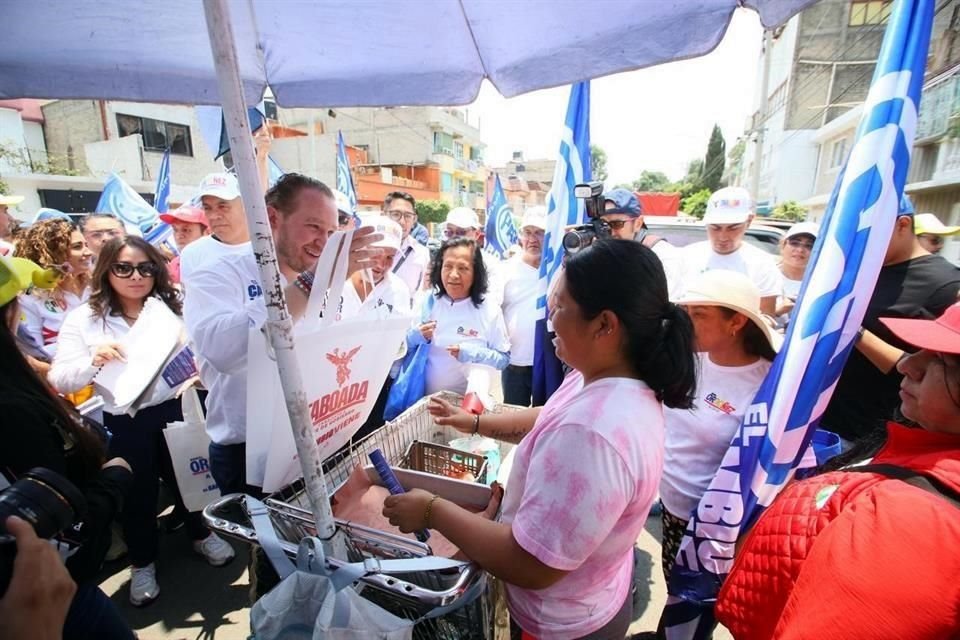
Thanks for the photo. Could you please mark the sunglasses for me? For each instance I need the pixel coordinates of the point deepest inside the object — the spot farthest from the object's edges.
(932, 238)
(125, 269)
(800, 244)
(616, 225)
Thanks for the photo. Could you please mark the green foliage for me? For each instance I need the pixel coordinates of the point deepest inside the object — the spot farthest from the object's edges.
(789, 210)
(4, 188)
(598, 163)
(651, 181)
(695, 204)
(432, 211)
(713, 162)
(51, 164)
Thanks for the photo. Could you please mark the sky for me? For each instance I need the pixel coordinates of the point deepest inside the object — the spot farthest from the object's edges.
(655, 119)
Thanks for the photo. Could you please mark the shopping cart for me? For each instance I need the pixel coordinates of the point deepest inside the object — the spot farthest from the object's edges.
(409, 595)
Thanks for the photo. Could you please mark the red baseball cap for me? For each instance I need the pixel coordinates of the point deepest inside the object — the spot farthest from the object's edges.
(941, 335)
(186, 213)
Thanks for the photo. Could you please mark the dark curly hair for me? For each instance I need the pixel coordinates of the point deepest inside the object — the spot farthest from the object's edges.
(479, 287)
(103, 299)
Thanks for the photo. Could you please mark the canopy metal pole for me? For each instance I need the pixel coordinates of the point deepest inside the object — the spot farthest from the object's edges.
(279, 321)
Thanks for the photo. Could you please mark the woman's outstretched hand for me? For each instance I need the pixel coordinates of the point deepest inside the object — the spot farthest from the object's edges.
(448, 415)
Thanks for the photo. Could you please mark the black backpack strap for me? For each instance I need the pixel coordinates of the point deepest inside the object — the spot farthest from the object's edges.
(919, 480)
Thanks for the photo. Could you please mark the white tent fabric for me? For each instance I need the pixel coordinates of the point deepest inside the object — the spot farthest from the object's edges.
(356, 53)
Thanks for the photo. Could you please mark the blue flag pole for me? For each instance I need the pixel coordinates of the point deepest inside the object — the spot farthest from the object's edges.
(563, 210)
(780, 423)
(162, 190)
(344, 177)
(500, 230)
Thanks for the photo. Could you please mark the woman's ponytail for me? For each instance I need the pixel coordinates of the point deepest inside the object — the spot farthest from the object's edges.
(670, 365)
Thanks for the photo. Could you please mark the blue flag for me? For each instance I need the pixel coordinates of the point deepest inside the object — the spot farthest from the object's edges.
(344, 177)
(778, 427)
(275, 171)
(163, 184)
(563, 209)
(500, 231)
(119, 198)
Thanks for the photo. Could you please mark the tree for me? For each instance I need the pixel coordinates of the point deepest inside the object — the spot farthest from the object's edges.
(713, 162)
(696, 204)
(432, 211)
(789, 210)
(598, 163)
(651, 181)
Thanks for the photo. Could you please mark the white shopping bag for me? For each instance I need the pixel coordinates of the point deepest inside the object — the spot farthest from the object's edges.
(343, 367)
(189, 447)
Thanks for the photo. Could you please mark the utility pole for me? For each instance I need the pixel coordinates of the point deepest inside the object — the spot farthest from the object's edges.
(760, 127)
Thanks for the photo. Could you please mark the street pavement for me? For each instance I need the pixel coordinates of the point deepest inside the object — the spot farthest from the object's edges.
(199, 602)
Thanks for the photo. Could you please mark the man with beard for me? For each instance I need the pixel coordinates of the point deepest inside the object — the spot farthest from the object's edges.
(224, 298)
(520, 308)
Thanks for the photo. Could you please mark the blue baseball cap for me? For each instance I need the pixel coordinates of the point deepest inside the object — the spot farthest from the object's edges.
(45, 213)
(624, 201)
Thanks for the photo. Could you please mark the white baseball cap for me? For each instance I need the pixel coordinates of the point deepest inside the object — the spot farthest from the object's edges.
(733, 290)
(10, 200)
(463, 217)
(220, 185)
(535, 217)
(803, 228)
(730, 205)
(929, 223)
(390, 230)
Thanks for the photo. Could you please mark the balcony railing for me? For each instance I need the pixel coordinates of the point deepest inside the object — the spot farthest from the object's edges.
(939, 109)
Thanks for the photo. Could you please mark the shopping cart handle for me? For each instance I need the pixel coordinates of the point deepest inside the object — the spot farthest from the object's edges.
(213, 519)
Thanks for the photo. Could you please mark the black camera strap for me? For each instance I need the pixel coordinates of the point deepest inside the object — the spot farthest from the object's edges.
(919, 480)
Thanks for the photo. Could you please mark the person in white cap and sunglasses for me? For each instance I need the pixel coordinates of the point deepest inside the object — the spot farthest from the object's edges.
(729, 213)
(795, 250)
(931, 233)
(376, 290)
(735, 347)
(520, 292)
(463, 222)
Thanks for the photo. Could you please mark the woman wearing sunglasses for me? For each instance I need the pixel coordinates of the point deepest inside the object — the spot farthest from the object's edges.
(131, 284)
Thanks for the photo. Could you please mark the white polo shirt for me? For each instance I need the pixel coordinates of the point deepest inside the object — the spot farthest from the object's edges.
(390, 297)
(411, 262)
(754, 263)
(520, 309)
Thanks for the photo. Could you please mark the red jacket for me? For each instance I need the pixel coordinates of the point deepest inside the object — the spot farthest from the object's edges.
(854, 555)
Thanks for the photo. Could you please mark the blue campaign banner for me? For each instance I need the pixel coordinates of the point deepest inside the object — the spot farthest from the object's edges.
(500, 231)
(563, 210)
(780, 423)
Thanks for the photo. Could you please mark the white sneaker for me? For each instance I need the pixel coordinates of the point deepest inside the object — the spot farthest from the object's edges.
(143, 585)
(215, 549)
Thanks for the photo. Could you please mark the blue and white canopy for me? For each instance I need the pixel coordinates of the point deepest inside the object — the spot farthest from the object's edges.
(358, 53)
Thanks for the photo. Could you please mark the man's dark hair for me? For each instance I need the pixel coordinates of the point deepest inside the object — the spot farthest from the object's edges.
(282, 195)
(399, 195)
(87, 217)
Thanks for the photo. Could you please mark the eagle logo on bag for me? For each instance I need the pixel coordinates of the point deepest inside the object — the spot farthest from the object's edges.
(342, 361)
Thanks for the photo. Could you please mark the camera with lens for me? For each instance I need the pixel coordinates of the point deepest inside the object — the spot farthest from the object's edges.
(46, 500)
(581, 237)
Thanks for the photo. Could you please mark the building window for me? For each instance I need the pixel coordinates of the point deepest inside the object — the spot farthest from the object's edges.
(458, 150)
(446, 182)
(866, 12)
(442, 143)
(157, 134)
(838, 154)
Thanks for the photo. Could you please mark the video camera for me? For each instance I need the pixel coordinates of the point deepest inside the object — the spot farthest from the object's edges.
(46, 500)
(581, 237)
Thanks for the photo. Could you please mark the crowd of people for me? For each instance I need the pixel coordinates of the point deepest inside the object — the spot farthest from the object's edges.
(665, 348)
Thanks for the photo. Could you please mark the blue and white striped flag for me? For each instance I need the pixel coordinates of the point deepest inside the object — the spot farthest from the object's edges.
(119, 198)
(847, 258)
(162, 190)
(500, 231)
(344, 178)
(275, 171)
(563, 210)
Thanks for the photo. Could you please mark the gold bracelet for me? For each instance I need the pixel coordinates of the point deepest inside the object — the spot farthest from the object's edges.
(426, 512)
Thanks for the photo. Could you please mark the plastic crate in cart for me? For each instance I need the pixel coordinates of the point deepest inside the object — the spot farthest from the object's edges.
(445, 461)
(409, 595)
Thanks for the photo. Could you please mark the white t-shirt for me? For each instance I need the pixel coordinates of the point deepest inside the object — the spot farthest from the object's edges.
(520, 309)
(495, 278)
(411, 262)
(791, 289)
(755, 263)
(42, 313)
(698, 438)
(580, 489)
(460, 322)
(390, 297)
(223, 300)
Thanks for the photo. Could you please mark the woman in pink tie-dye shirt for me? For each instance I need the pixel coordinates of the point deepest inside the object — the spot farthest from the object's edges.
(589, 462)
